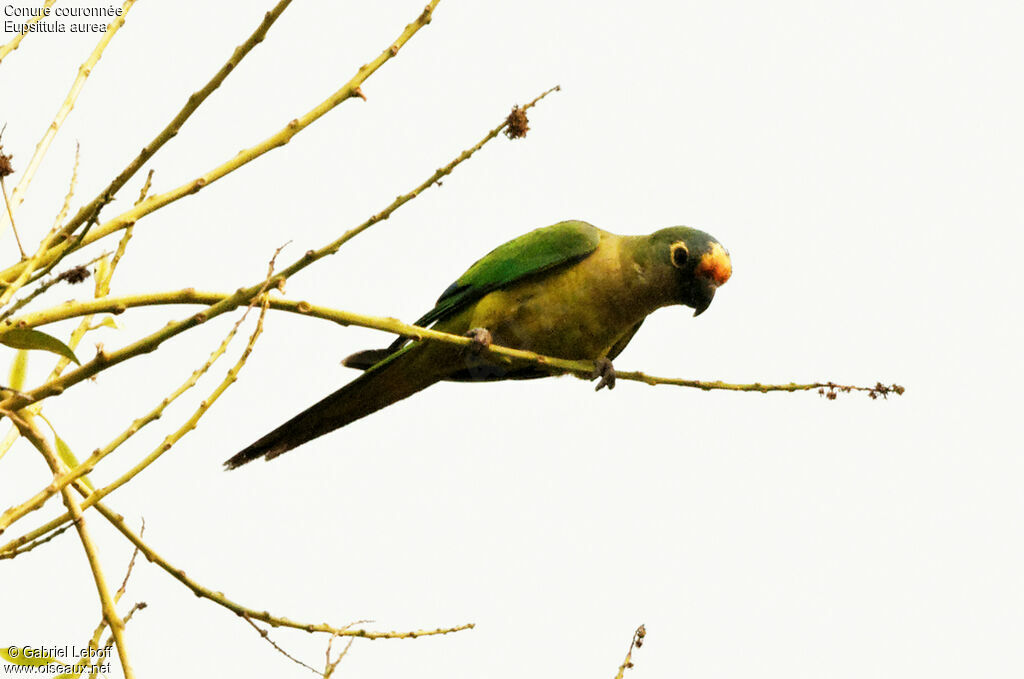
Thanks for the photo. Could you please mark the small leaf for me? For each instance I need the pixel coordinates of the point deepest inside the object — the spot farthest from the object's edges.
(106, 321)
(24, 338)
(64, 450)
(18, 656)
(19, 366)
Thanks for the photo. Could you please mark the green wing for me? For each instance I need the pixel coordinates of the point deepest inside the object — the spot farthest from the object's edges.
(532, 253)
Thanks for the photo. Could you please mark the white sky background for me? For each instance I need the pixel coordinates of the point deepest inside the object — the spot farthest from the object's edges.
(862, 162)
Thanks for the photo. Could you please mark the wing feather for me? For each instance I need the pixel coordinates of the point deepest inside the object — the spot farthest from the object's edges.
(532, 253)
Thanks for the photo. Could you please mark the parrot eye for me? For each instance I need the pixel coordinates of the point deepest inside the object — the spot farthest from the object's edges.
(679, 254)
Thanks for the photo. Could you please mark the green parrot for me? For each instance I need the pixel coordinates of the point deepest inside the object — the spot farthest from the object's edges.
(569, 290)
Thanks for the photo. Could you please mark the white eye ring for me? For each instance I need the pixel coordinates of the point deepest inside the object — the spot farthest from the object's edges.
(679, 254)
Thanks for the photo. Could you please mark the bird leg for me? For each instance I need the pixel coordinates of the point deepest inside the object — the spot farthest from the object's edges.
(603, 368)
(481, 340)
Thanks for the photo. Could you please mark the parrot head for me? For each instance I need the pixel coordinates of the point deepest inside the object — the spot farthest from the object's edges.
(700, 264)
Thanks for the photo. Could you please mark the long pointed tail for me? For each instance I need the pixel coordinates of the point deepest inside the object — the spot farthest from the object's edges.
(398, 377)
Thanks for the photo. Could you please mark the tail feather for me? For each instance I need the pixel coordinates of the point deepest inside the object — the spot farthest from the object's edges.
(400, 376)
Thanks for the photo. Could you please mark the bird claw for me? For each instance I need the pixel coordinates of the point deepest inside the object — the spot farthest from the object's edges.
(481, 340)
(603, 368)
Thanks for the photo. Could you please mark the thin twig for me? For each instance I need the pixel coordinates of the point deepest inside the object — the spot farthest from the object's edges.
(7, 169)
(139, 605)
(131, 565)
(122, 245)
(266, 636)
(10, 215)
(636, 642)
(332, 665)
(33, 545)
(94, 644)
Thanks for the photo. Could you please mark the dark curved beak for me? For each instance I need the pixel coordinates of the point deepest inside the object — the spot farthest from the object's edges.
(705, 294)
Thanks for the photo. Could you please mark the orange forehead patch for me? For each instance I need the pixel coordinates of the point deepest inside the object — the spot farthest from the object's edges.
(716, 264)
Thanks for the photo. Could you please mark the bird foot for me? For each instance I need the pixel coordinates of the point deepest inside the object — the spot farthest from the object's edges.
(481, 340)
(603, 368)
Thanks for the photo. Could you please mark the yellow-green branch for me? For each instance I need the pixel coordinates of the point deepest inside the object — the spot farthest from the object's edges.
(117, 305)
